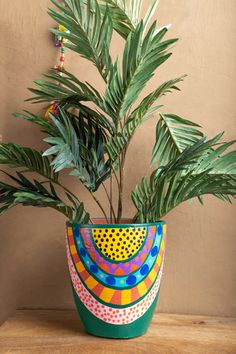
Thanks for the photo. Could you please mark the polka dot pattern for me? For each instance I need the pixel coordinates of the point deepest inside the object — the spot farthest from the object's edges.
(119, 244)
(110, 280)
(154, 251)
(84, 236)
(86, 267)
(131, 280)
(117, 316)
(145, 269)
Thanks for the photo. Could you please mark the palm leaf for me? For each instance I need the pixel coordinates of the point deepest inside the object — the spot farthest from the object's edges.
(89, 32)
(95, 117)
(46, 126)
(127, 14)
(124, 18)
(15, 155)
(173, 136)
(187, 176)
(64, 89)
(141, 58)
(150, 99)
(150, 12)
(35, 194)
(79, 146)
(120, 141)
(144, 111)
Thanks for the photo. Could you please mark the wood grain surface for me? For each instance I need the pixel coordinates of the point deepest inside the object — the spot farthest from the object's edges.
(53, 331)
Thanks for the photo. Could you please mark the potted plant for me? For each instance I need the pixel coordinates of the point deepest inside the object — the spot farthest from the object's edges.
(115, 264)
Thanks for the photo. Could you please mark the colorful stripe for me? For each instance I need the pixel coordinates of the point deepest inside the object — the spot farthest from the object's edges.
(106, 313)
(109, 294)
(115, 268)
(101, 276)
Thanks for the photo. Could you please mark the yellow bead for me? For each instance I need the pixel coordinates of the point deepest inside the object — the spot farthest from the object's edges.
(62, 28)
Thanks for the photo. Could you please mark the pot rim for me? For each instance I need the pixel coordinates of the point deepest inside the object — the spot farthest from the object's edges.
(108, 226)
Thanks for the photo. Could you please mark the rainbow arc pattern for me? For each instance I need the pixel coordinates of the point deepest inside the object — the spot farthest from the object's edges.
(117, 284)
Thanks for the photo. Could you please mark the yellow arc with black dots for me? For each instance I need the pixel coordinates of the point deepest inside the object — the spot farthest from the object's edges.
(119, 244)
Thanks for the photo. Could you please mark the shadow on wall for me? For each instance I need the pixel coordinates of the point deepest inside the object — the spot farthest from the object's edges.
(22, 247)
(33, 267)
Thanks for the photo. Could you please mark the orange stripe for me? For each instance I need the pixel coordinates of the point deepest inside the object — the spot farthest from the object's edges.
(156, 267)
(135, 294)
(153, 228)
(116, 298)
(148, 283)
(69, 231)
(76, 258)
(98, 289)
(84, 275)
(70, 240)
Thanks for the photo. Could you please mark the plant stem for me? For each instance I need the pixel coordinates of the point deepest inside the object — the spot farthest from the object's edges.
(116, 178)
(111, 200)
(112, 212)
(72, 194)
(135, 218)
(121, 173)
(121, 184)
(68, 191)
(100, 206)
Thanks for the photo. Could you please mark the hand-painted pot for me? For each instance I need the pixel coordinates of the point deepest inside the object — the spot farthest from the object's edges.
(116, 271)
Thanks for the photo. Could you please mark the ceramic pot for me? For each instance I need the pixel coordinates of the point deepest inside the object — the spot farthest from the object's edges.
(116, 271)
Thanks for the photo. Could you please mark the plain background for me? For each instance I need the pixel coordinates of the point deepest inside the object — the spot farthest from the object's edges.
(199, 275)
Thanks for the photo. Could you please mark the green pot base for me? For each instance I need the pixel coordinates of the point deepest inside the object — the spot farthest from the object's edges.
(99, 328)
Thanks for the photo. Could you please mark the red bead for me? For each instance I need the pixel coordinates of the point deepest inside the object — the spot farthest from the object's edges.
(62, 58)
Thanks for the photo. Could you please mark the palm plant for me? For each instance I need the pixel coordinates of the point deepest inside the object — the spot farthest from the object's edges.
(90, 134)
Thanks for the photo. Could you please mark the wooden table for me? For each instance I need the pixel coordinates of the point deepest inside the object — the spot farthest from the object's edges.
(53, 331)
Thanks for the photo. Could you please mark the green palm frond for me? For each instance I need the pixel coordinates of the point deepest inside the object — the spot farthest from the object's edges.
(173, 136)
(79, 145)
(120, 141)
(28, 193)
(215, 162)
(143, 112)
(141, 57)
(95, 117)
(187, 176)
(89, 33)
(127, 14)
(15, 155)
(64, 89)
(150, 99)
(125, 17)
(150, 12)
(45, 125)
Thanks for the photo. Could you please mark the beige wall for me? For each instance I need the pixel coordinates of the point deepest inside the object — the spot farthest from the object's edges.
(199, 272)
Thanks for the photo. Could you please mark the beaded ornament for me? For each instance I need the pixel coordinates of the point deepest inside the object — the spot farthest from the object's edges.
(59, 43)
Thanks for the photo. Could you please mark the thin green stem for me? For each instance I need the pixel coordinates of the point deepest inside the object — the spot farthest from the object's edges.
(135, 218)
(68, 191)
(116, 178)
(111, 200)
(121, 175)
(72, 194)
(100, 206)
(109, 197)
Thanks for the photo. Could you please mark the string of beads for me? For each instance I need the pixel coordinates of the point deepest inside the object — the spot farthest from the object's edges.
(59, 43)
